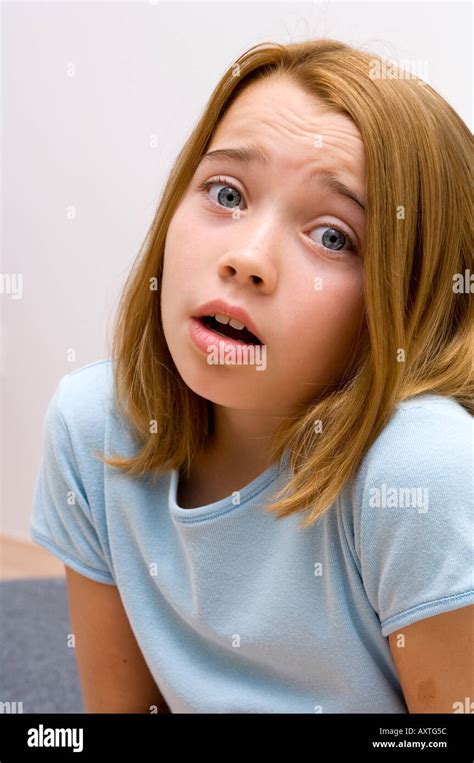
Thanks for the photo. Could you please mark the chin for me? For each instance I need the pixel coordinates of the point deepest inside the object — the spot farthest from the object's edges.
(222, 385)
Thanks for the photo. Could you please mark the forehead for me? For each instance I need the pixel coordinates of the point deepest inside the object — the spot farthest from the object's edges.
(296, 130)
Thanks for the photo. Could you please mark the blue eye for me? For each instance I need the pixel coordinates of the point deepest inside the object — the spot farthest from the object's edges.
(333, 239)
(226, 195)
(229, 197)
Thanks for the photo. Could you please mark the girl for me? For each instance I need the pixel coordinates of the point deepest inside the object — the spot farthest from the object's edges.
(263, 499)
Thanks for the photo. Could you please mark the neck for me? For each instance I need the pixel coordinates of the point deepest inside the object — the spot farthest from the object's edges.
(242, 436)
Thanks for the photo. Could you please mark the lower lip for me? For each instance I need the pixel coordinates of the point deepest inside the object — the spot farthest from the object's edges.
(203, 338)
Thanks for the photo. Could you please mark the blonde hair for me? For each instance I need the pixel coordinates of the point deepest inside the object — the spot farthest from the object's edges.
(418, 241)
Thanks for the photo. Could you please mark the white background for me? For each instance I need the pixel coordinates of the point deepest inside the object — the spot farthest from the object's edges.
(141, 70)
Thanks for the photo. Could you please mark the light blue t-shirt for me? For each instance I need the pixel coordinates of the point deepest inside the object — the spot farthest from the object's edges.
(238, 612)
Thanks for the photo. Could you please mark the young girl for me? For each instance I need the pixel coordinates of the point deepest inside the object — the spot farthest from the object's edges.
(263, 500)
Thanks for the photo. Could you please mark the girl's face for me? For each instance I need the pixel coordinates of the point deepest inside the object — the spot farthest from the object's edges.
(271, 239)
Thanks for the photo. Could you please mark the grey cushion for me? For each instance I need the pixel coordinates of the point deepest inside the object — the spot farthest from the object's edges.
(37, 667)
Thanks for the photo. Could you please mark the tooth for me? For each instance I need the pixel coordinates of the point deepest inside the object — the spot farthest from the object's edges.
(220, 318)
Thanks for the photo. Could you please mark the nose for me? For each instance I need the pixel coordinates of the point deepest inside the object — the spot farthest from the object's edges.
(249, 264)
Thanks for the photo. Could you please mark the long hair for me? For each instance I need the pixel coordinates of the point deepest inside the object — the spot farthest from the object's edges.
(419, 244)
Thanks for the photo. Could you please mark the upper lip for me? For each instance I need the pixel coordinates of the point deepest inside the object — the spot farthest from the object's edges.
(233, 311)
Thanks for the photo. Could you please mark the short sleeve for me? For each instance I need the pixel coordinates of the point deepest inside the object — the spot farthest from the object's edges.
(414, 527)
(62, 521)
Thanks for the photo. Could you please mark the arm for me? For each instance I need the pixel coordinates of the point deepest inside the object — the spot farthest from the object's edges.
(113, 673)
(435, 661)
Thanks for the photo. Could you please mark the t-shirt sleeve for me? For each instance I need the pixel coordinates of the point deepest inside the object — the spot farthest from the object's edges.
(414, 528)
(62, 520)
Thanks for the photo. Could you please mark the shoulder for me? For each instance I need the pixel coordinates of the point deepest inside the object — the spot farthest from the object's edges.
(416, 478)
(69, 516)
(88, 389)
(412, 512)
(82, 401)
(427, 437)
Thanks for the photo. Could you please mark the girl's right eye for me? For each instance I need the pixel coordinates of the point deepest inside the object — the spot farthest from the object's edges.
(225, 197)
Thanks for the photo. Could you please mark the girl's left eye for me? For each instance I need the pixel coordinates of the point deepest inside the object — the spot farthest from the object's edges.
(229, 194)
(332, 238)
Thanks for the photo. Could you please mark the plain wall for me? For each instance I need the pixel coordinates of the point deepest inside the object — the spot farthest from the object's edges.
(81, 176)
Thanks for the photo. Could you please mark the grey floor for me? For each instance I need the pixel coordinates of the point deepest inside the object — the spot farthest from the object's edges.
(38, 672)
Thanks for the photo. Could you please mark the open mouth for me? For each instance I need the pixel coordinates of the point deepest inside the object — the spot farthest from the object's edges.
(228, 331)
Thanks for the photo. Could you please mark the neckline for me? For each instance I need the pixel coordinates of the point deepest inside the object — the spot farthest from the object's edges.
(224, 505)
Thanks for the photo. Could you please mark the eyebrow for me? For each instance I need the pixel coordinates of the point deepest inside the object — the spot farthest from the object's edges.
(249, 154)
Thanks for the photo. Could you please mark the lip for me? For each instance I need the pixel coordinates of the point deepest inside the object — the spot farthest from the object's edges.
(233, 311)
(204, 338)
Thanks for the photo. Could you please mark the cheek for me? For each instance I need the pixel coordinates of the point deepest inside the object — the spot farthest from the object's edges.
(326, 321)
(187, 226)
(186, 246)
(174, 270)
(183, 257)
